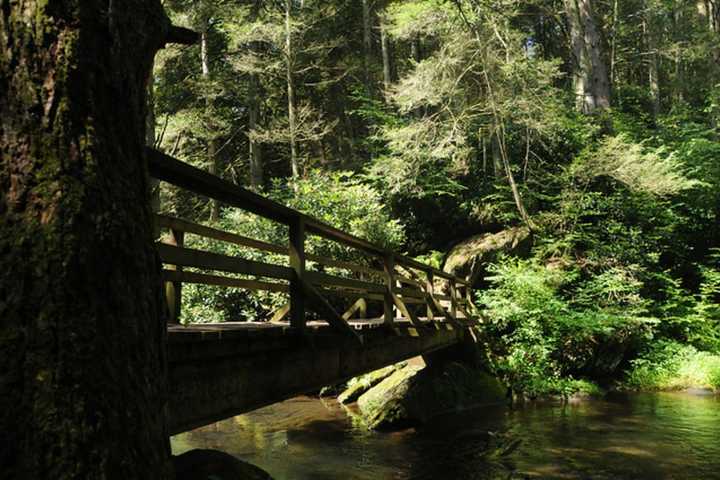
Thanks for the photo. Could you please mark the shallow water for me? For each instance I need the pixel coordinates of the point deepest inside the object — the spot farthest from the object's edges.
(634, 436)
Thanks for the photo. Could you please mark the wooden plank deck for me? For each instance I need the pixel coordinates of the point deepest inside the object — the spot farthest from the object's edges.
(257, 329)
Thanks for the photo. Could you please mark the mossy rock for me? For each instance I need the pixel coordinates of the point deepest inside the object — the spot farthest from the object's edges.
(215, 465)
(359, 385)
(414, 394)
(469, 258)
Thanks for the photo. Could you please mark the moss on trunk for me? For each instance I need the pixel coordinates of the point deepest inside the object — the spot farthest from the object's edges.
(82, 329)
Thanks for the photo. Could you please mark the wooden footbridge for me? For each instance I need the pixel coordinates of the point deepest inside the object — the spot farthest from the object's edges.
(342, 318)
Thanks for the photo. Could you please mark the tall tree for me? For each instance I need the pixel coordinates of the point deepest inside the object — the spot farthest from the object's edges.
(367, 40)
(479, 84)
(204, 25)
(290, 56)
(650, 30)
(255, 147)
(386, 55)
(81, 321)
(291, 66)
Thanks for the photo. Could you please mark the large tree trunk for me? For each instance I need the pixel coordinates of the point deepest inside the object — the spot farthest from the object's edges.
(150, 142)
(708, 12)
(591, 82)
(211, 154)
(82, 328)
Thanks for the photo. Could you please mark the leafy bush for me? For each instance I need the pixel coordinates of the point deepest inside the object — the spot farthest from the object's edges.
(669, 365)
(540, 340)
(714, 377)
(337, 199)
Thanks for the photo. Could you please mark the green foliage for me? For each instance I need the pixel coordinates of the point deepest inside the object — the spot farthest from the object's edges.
(433, 258)
(408, 20)
(638, 169)
(704, 319)
(714, 378)
(669, 365)
(541, 339)
(346, 202)
(340, 200)
(476, 127)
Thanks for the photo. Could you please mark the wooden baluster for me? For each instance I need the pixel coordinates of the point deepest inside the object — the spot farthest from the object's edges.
(173, 290)
(470, 307)
(398, 285)
(453, 299)
(460, 298)
(297, 263)
(388, 302)
(430, 288)
(362, 311)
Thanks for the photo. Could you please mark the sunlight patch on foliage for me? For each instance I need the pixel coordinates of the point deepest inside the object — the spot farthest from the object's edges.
(640, 169)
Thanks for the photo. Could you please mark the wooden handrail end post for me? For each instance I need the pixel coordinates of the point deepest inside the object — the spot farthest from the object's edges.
(173, 290)
(297, 263)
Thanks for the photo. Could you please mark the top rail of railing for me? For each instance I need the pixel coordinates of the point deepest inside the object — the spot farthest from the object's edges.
(171, 170)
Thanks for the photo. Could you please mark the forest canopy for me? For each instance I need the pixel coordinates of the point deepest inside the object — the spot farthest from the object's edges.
(421, 123)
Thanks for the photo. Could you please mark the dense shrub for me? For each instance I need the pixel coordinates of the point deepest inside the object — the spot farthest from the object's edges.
(542, 339)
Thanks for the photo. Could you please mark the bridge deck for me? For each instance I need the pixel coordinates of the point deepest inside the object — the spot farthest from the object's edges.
(256, 329)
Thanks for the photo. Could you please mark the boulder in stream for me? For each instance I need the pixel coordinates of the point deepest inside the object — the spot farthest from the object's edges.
(414, 394)
(359, 385)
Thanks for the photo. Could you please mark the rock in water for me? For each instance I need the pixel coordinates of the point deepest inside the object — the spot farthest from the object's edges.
(215, 465)
(359, 385)
(415, 394)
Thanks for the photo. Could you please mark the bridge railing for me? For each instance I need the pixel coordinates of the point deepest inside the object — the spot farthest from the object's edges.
(400, 283)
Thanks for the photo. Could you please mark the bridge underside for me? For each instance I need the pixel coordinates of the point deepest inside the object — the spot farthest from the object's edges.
(220, 370)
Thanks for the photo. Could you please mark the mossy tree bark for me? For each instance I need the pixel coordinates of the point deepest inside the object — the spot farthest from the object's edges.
(81, 322)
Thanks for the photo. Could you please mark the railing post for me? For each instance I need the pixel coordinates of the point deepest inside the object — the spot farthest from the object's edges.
(453, 298)
(470, 307)
(297, 263)
(173, 290)
(388, 303)
(362, 311)
(430, 289)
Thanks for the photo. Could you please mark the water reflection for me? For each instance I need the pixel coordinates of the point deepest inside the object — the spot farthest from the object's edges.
(644, 436)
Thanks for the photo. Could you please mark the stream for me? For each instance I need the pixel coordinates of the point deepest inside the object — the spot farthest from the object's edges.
(624, 436)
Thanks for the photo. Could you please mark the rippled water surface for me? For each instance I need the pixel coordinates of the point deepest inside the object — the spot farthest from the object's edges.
(639, 436)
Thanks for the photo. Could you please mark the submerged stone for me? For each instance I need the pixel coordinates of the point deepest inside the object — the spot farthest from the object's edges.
(215, 465)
